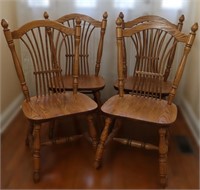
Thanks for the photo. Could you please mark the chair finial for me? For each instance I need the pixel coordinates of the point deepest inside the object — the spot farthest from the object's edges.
(182, 18)
(121, 15)
(78, 20)
(46, 15)
(119, 21)
(4, 24)
(194, 27)
(105, 15)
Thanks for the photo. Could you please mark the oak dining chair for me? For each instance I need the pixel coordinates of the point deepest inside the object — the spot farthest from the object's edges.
(90, 57)
(38, 69)
(145, 104)
(140, 55)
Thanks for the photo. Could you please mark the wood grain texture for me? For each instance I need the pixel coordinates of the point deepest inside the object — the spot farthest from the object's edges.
(152, 54)
(85, 82)
(70, 166)
(40, 23)
(42, 40)
(141, 108)
(83, 17)
(151, 18)
(90, 53)
(57, 105)
(145, 49)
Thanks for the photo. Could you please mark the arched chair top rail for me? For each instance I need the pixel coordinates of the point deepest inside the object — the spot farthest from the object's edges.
(149, 18)
(180, 36)
(82, 17)
(38, 23)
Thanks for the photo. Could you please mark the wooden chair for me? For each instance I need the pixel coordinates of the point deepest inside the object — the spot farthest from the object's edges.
(41, 43)
(139, 58)
(145, 104)
(91, 48)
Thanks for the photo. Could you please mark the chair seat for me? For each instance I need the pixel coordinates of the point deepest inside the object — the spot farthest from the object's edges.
(85, 82)
(57, 105)
(141, 108)
(128, 85)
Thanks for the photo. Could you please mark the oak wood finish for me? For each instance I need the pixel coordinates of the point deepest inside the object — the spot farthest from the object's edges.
(145, 103)
(143, 52)
(137, 144)
(41, 42)
(91, 49)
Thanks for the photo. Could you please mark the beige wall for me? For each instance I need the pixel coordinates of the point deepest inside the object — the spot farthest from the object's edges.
(192, 72)
(10, 88)
(188, 97)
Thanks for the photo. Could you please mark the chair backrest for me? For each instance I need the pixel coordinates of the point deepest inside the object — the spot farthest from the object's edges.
(41, 43)
(154, 43)
(146, 19)
(91, 42)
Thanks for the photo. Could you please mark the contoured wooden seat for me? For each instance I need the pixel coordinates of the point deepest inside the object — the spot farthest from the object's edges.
(141, 53)
(38, 69)
(91, 49)
(145, 103)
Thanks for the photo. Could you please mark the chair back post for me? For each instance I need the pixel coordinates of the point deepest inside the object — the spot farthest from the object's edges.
(172, 54)
(101, 42)
(76, 57)
(119, 35)
(18, 67)
(121, 15)
(181, 66)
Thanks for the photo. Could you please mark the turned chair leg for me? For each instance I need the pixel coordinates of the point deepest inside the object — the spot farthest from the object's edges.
(163, 153)
(92, 131)
(36, 153)
(103, 138)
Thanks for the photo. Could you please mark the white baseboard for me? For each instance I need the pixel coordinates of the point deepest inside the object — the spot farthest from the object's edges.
(9, 114)
(191, 119)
